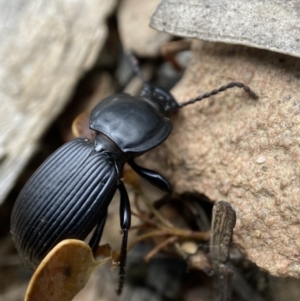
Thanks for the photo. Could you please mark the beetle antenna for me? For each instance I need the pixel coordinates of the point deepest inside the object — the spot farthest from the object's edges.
(216, 91)
(136, 67)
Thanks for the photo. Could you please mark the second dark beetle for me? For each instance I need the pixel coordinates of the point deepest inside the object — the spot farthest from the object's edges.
(69, 194)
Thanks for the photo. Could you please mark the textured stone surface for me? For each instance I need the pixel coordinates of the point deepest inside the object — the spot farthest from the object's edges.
(244, 151)
(45, 48)
(135, 33)
(272, 24)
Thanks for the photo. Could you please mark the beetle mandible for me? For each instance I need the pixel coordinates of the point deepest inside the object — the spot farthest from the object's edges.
(68, 196)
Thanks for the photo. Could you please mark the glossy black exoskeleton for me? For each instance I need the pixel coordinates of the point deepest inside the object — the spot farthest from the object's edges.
(68, 196)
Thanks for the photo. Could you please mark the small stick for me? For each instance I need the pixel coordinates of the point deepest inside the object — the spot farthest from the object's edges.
(155, 250)
(156, 213)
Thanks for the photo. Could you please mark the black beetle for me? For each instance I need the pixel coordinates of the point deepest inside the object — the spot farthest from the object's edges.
(69, 194)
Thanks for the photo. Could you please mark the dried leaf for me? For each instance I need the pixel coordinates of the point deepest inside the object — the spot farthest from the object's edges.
(63, 272)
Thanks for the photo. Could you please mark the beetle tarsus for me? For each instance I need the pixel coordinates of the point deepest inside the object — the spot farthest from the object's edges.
(123, 256)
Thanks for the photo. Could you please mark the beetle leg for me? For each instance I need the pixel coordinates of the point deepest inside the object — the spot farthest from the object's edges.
(125, 222)
(151, 176)
(94, 241)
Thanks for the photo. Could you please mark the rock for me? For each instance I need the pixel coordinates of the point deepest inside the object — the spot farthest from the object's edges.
(271, 25)
(45, 48)
(244, 151)
(135, 33)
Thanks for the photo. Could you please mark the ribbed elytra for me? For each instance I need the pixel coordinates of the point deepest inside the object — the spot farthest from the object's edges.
(70, 207)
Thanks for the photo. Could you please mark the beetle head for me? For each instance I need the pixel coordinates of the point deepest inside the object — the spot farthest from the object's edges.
(162, 99)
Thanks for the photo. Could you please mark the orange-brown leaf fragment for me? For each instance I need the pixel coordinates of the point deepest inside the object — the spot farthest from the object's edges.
(63, 272)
